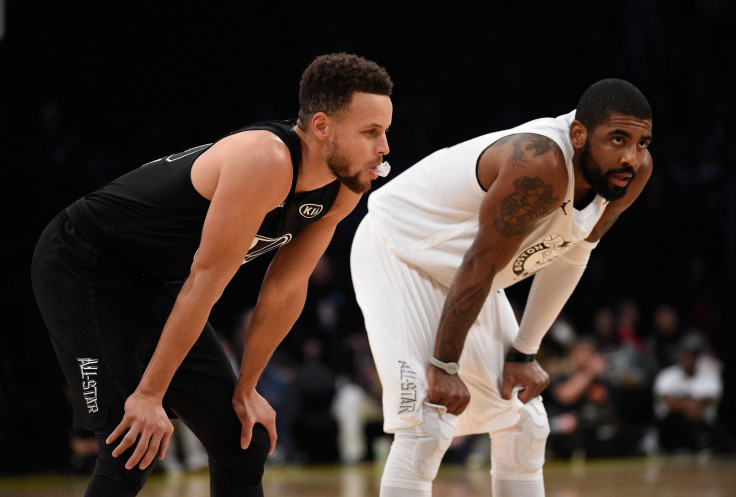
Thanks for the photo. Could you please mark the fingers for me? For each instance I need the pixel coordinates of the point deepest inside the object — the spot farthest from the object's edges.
(525, 394)
(164, 445)
(119, 430)
(272, 436)
(506, 389)
(144, 452)
(455, 403)
(153, 442)
(449, 391)
(454, 406)
(528, 390)
(530, 376)
(149, 443)
(158, 444)
(246, 434)
(128, 440)
(251, 408)
(459, 406)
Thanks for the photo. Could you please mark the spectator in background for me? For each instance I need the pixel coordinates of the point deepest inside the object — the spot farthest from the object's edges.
(357, 405)
(661, 343)
(315, 428)
(624, 361)
(627, 324)
(583, 409)
(556, 345)
(625, 369)
(186, 452)
(687, 395)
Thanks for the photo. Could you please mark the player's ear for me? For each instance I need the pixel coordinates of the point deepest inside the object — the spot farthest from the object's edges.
(320, 125)
(578, 134)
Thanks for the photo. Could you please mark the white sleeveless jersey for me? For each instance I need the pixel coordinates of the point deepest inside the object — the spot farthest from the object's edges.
(428, 214)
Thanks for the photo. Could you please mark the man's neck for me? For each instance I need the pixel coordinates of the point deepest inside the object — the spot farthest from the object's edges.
(313, 170)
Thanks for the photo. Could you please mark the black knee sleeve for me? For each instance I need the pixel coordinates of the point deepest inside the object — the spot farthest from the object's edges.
(110, 478)
(235, 471)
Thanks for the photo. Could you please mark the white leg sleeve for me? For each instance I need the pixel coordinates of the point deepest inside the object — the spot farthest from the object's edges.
(516, 488)
(416, 454)
(517, 453)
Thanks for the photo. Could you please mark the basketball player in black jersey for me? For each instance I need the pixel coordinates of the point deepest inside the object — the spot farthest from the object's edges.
(126, 277)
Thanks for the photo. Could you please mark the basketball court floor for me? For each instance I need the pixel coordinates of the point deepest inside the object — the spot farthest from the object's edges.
(640, 477)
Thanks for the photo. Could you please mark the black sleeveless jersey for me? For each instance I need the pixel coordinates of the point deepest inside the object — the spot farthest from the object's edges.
(152, 216)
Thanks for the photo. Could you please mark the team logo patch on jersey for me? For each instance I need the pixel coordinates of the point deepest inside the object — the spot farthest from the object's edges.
(263, 244)
(310, 210)
(534, 258)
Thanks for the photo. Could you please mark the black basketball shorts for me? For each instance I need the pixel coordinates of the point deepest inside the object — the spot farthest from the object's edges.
(105, 317)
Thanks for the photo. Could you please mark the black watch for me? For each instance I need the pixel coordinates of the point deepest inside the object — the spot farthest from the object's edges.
(519, 357)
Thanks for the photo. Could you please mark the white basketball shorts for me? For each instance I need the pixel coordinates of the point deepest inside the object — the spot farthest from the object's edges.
(401, 305)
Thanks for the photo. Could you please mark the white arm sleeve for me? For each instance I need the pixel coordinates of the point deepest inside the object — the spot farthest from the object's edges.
(551, 288)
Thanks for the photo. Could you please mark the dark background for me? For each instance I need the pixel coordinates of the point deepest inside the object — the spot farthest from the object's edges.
(89, 91)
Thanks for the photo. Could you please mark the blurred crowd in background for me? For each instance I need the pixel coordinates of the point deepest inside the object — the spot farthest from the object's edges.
(642, 357)
(623, 384)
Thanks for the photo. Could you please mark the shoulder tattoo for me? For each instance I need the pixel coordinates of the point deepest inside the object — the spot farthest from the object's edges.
(527, 146)
(532, 199)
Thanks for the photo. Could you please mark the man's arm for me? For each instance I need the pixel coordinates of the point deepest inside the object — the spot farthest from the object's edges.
(553, 285)
(280, 303)
(571, 390)
(253, 176)
(528, 178)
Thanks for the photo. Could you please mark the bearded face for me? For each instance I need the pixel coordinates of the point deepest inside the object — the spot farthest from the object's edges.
(600, 180)
(339, 164)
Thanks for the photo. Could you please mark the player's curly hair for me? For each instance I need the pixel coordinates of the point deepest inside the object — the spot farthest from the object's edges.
(328, 84)
(609, 96)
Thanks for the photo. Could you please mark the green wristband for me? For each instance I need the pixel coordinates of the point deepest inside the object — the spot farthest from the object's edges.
(447, 367)
(519, 357)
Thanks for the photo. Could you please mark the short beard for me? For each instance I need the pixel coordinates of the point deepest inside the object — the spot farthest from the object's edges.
(340, 167)
(598, 180)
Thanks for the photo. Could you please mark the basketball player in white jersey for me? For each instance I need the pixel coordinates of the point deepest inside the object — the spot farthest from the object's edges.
(442, 241)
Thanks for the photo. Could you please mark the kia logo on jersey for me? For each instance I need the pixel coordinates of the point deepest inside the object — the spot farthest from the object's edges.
(310, 210)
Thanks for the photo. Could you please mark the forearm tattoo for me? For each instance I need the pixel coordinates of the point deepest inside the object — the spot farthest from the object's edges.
(532, 199)
(459, 313)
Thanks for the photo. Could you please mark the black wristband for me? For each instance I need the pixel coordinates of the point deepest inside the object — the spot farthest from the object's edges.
(519, 357)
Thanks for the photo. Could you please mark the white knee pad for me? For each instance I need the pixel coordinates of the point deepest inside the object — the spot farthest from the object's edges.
(517, 453)
(417, 452)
